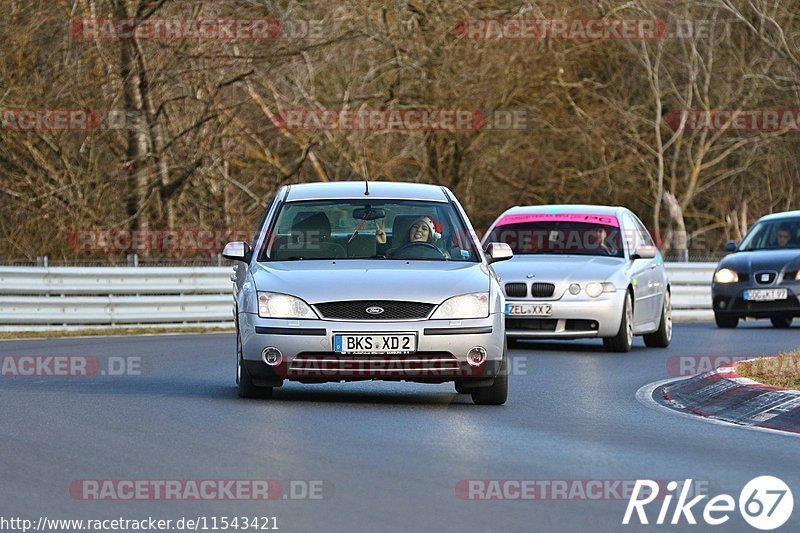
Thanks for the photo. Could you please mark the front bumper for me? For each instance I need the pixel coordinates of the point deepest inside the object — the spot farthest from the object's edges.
(728, 300)
(308, 356)
(575, 319)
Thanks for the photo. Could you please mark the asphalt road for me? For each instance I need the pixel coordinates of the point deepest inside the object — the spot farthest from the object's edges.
(390, 455)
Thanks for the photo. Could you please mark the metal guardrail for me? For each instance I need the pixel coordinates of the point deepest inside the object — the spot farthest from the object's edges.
(73, 297)
(691, 290)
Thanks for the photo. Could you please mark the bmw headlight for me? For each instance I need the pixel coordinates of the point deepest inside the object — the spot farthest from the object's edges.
(475, 305)
(725, 275)
(275, 305)
(595, 288)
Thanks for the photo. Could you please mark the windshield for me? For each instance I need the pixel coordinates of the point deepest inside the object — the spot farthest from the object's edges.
(368, 229)
(772, 234)
(565, 237)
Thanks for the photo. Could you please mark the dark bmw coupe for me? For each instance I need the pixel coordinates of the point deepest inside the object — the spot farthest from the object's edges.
(761, 278)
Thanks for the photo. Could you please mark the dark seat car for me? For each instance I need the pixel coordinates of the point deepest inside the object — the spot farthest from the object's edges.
(761, 278)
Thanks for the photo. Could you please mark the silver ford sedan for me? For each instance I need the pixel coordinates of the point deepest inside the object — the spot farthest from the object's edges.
(582, 271)
(354, 281)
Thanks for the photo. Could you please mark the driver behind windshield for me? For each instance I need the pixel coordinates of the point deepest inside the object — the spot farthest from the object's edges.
(424, 230)
(784, 236)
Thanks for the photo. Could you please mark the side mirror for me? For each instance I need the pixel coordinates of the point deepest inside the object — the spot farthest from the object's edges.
(644, 252)
(498, 251)
(237, 251)
(730, 246)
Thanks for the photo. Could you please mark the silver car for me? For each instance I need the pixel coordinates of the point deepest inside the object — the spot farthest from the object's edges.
(350, 281)
(582, 271)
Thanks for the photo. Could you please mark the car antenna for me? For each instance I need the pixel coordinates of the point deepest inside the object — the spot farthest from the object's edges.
(366, 170)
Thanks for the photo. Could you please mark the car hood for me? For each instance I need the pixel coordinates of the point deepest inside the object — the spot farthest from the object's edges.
(762, 260)
(332, 281)
(572, 268)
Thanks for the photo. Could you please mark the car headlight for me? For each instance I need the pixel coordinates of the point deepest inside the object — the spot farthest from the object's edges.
(725, 275)
(797, 276)
(275, 305)
(475, 305)
(595, 288)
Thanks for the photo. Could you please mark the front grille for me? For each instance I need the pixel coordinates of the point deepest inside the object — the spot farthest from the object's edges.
(531, 324)
(330, 365)
(357, 310)
(542, 290)
(516, 290)
(765, 278)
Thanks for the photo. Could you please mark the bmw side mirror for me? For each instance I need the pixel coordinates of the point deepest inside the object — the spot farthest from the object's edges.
(730, 246)
(498, 251)
(237, 251)
(644, 252)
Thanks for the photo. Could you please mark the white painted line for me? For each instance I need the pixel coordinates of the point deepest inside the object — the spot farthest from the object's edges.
(645, 397)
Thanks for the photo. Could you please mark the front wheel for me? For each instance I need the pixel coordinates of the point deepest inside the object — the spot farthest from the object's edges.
(726, 322)
(661, 337)
(623, 340)
(497, 394)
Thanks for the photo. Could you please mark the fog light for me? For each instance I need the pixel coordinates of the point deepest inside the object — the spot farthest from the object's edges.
(272, 356)
(593, 325)
(721, 304)
(476, 356)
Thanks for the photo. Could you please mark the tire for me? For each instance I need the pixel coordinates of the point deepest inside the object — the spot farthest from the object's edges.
(460, 388)
(244, 382)
(623, 340)
(661, 337)
(726, 322)
(781, 321)
(497, 393)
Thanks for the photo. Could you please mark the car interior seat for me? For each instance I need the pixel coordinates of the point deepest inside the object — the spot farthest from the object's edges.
(310, 238)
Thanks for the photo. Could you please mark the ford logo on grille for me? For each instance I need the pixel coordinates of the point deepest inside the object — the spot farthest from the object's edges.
(374, 310)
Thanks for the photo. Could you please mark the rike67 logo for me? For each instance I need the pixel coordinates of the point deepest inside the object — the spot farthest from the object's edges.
(765, 503)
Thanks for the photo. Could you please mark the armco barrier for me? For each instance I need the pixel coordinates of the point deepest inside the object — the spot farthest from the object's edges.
(74, 297)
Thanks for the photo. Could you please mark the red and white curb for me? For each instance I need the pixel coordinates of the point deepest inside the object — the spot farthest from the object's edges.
(724, 397)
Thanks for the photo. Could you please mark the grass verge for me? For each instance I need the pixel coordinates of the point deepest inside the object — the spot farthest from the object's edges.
(779, 371)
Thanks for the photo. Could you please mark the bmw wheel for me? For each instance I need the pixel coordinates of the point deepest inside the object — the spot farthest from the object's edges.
(623, 340)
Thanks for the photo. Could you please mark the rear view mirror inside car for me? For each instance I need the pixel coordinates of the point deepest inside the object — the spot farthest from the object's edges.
(368, 213)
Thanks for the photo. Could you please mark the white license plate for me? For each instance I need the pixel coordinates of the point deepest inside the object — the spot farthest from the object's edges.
(402, 343)
(765, 295)
(528, 309)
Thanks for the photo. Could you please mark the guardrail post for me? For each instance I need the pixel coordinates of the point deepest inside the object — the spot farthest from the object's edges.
(219, 260)
(41, 261)
(133, 260)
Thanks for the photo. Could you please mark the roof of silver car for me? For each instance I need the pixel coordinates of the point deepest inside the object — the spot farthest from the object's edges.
(577, 209)
(778, 216)
(377, 190)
